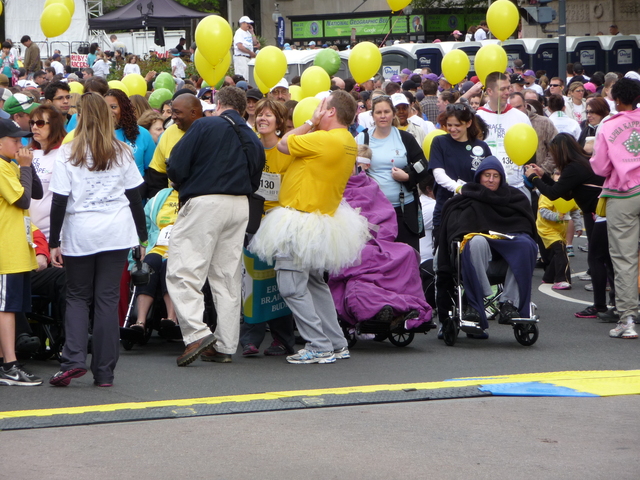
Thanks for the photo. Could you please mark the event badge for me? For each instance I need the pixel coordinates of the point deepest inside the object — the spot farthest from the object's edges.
(269, 186)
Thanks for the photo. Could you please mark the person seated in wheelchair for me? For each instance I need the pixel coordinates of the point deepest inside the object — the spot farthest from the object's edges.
(161, 213)
(493, 222)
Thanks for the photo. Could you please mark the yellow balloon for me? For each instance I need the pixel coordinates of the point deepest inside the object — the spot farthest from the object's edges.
(489, 59)
(455, 66)
(1, 8)
(76, 87)
(428, 140)
(314, 80)
(521, 143)
(502, 19)
(364, 61)
(211, 75)
(70, 136)
(296, 92)
(55, 20)
(70, 4)
(260, 84)
(271, 65)
(564, 206)
(397, 5)
(214, 37)
(136, 84)
(118, 85)
(304, 110)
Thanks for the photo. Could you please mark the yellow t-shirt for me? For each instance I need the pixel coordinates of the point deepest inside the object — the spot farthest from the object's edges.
(166, 217)
(549, 231)
(167, 141)
(271, 180)
(16, 239)
(321, 165)
(400, 127)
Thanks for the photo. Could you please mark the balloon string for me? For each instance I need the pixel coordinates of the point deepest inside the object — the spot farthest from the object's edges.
(391, 30)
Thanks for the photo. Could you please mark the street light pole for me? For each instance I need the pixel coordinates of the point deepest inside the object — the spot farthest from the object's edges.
(562, 38)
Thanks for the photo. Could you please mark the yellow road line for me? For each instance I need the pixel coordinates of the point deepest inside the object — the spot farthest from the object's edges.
(608, 382)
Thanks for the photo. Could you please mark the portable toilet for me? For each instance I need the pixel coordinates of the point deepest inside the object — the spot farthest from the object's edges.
(516, 50)
(430, 55)
(295, 61)
(343, 71)
(397, 57)
(589, 52)
(543, 55)
(622, 53)
(471, 49)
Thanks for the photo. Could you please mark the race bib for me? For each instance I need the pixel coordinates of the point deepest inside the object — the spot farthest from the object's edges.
(269, 186)
(164, 235)
(28, 231)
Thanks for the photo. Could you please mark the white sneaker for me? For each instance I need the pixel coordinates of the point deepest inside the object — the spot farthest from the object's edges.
(342, 353)
(624, 329)
(311, 356)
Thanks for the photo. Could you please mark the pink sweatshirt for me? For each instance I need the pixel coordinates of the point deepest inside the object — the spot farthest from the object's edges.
(616, 155)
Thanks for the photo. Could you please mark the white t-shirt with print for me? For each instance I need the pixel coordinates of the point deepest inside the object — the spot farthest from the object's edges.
(245, 38)
(98, 217)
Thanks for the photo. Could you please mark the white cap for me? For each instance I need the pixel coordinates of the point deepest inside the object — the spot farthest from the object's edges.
(399, 99)
(323, 95)
(245, 19)
(281, 84)
(312, 42)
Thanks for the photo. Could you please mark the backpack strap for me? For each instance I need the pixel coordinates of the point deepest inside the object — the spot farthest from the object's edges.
(238, 133)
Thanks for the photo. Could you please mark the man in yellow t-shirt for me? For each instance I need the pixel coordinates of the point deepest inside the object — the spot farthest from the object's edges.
(311, 231)
(185, 110)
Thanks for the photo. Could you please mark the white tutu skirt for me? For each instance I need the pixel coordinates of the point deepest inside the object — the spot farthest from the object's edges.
(314, 241)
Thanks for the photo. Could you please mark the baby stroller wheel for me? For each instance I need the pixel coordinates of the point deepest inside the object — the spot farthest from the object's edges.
(349, 333)
(450, 331)
(526, 334)
(127, 344)
(402, 338)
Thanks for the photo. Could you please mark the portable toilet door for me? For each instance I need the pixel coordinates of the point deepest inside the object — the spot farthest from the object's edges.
(395, 58)
(589, 52)
(543, 55)
(431, 55)
(471, 49)
(309, 59)
(516, 51)
(622, 53)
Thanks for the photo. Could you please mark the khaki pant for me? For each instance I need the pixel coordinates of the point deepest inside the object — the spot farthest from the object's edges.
(623, 226)
(206, 243)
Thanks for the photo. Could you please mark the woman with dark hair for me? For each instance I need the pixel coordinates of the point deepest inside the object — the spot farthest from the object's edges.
(616, 154)
(454, 157)
(597, 111)
(397, 164)
(95, 198)
(270, 123)
(131, 66)
(165, 109)
(48, 128)
(93, 54)
(128, 130)
(579, 182)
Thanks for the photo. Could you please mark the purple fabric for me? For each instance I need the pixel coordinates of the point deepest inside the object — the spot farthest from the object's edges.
(389, 272)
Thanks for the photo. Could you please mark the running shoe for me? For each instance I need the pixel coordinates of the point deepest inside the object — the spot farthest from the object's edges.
(342, 353)
(570, 251)
(276, 349)
(64, 377)
(561, 286)
(507, 312)
(624, 329)
(16, 376)
(250, 349)
(585, 277)
(311, 356)
(610, 316)
(590, 312)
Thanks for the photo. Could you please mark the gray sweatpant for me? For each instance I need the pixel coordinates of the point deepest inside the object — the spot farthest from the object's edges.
(480, 257)
(310, 301)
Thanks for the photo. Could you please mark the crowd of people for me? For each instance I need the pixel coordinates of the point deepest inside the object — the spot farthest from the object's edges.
(351, 192)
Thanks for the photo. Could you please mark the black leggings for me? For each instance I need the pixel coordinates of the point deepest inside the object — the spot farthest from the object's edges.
(158, 277)
(600, 265)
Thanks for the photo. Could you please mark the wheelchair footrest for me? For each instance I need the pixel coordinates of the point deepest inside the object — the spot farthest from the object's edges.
(516, 321)
(470, 327)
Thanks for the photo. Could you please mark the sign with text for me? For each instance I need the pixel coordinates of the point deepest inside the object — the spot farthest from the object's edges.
(79, 61)
(306, 29)
(444, 23)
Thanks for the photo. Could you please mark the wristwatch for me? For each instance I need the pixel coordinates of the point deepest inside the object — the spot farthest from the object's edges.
(310, 123)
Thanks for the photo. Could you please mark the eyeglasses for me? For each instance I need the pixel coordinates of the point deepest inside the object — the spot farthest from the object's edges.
(38, 123)
(206, 98)
(63, 97)
(361, 107)
(554, 85)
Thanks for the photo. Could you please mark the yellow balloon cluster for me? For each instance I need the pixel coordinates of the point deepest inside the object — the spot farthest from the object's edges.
(56, 17)
(502, 19)
(70, 4)
(314, 80)
(76, 87)
(214, 37)
(364, 61)
(136, 84)
(489, 59)
(211, 74)
(455, 66)
(296, 92)
(521, 143)
(118, 85)
(304, 110)
(271, 65)
(428, 140)
(260, 84)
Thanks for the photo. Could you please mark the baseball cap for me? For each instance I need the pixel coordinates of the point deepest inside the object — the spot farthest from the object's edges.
(245, 19)
(312, 43)
(529, 73)
(409, 85)
(281, 84)
(456, 32)
(590, 87)
(406, 71)
(243, 85)
(20, 103)
(516, 78)
(465, 87)
(399, 99)
(431, 76)
(474, 79)
(255, 94)
(10, 129)
(5, 94)
(395, 78)
(56, 56)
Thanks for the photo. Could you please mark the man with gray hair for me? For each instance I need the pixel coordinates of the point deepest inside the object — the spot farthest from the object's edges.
(214, 167)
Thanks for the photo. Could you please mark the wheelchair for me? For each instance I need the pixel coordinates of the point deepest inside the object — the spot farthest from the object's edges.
(47, 327)
(525, 329)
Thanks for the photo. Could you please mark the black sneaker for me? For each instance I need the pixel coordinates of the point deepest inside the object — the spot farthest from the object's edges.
(385, 315)
(507, 313)
(610, 316)
(18, 377)
(470, 314)
(590, 312)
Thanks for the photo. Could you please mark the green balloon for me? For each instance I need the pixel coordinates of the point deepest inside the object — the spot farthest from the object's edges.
(159, 96)
(165, 80)
(329, 60)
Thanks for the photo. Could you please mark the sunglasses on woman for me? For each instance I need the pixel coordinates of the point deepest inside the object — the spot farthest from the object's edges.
(38, 123)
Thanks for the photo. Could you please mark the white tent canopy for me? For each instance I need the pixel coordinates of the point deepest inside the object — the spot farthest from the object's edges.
(22, 17)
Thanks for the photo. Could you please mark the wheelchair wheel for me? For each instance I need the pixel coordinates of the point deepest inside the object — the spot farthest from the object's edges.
(401, 339)
(350, 334)
(526, 334)
(450, 331)
(127, 344)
